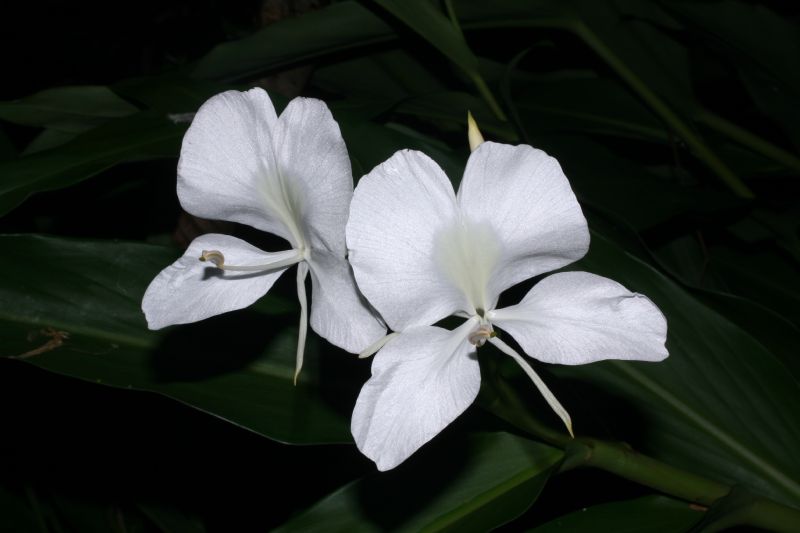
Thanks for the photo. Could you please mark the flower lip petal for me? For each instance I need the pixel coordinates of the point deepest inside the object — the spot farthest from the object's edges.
(523, 193)
(397, 212)
(574, 318)
(190, 290)
(422, 380)
(225, 157)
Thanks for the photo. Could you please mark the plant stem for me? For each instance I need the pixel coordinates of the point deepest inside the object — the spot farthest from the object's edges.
(629, 464)
(499, 398)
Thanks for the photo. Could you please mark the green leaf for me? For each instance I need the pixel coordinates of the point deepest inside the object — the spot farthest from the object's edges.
(624, 189)
(67, 109)
(140, 137)
(484, 482)
(740, 27)
(721, 405)
(391, 76)
(650, 514)
(231, 366)
(595, 105)
(431, 24)
(445, 35)
(7, 148)
(333, 29)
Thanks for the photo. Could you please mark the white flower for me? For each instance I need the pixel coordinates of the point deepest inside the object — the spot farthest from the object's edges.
(289, 176)
(421, 253)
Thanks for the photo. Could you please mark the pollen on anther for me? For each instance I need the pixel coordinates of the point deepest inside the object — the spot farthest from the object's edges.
(213, 256)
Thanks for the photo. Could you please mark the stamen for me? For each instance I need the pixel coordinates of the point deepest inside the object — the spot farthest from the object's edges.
(302, 271)
(481, 335)
(279, 260)
(215, 256)
(548, 395)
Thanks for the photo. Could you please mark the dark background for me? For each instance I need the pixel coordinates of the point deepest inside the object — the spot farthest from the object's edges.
(83, 448)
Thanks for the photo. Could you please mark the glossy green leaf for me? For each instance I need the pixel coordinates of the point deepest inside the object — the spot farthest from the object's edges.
(721, 405)
(624, 189)
(431, 24)
(231, 366)
(391, 76)
(587, 104)
(650, 514)
(143, 136)
(335, 28)
(741, 27)
(485, 481)
(68, 109)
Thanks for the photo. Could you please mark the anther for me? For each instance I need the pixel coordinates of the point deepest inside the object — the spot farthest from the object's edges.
(481, 335)
(213, 256)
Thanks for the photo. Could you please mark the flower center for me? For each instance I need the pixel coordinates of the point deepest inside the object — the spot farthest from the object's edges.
(468, 253)
(484, 332)
(283, 198)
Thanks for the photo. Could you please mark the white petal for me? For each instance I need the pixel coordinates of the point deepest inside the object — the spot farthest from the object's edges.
(572, 318)
(421, 381)
(524, 195)
(227, 161)
(397, 213)
(190, 290)
(338, 311)
(313, 162)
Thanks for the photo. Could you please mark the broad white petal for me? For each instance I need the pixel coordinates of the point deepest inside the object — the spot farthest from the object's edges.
(398, 212)
(523, 193)
(573, 318)
(421, 381)
(339, 313)
(190, 290)
(227, 162)
(313, 163)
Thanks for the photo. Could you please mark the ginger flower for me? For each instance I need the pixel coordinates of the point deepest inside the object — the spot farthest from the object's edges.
(287, 175)
(420, 253)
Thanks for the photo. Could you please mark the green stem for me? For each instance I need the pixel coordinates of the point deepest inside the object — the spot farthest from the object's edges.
(664, 111)
(629, 464)
(499, 398)
(745, 138)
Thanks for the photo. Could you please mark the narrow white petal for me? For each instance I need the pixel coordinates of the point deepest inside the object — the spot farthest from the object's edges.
(549, 397)
(190, 290)
(421, 381)
(523, 193)
(227, 159)
(398, 212)
(572, 318)
(339, 313)
(302, 272)
(314, 165)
